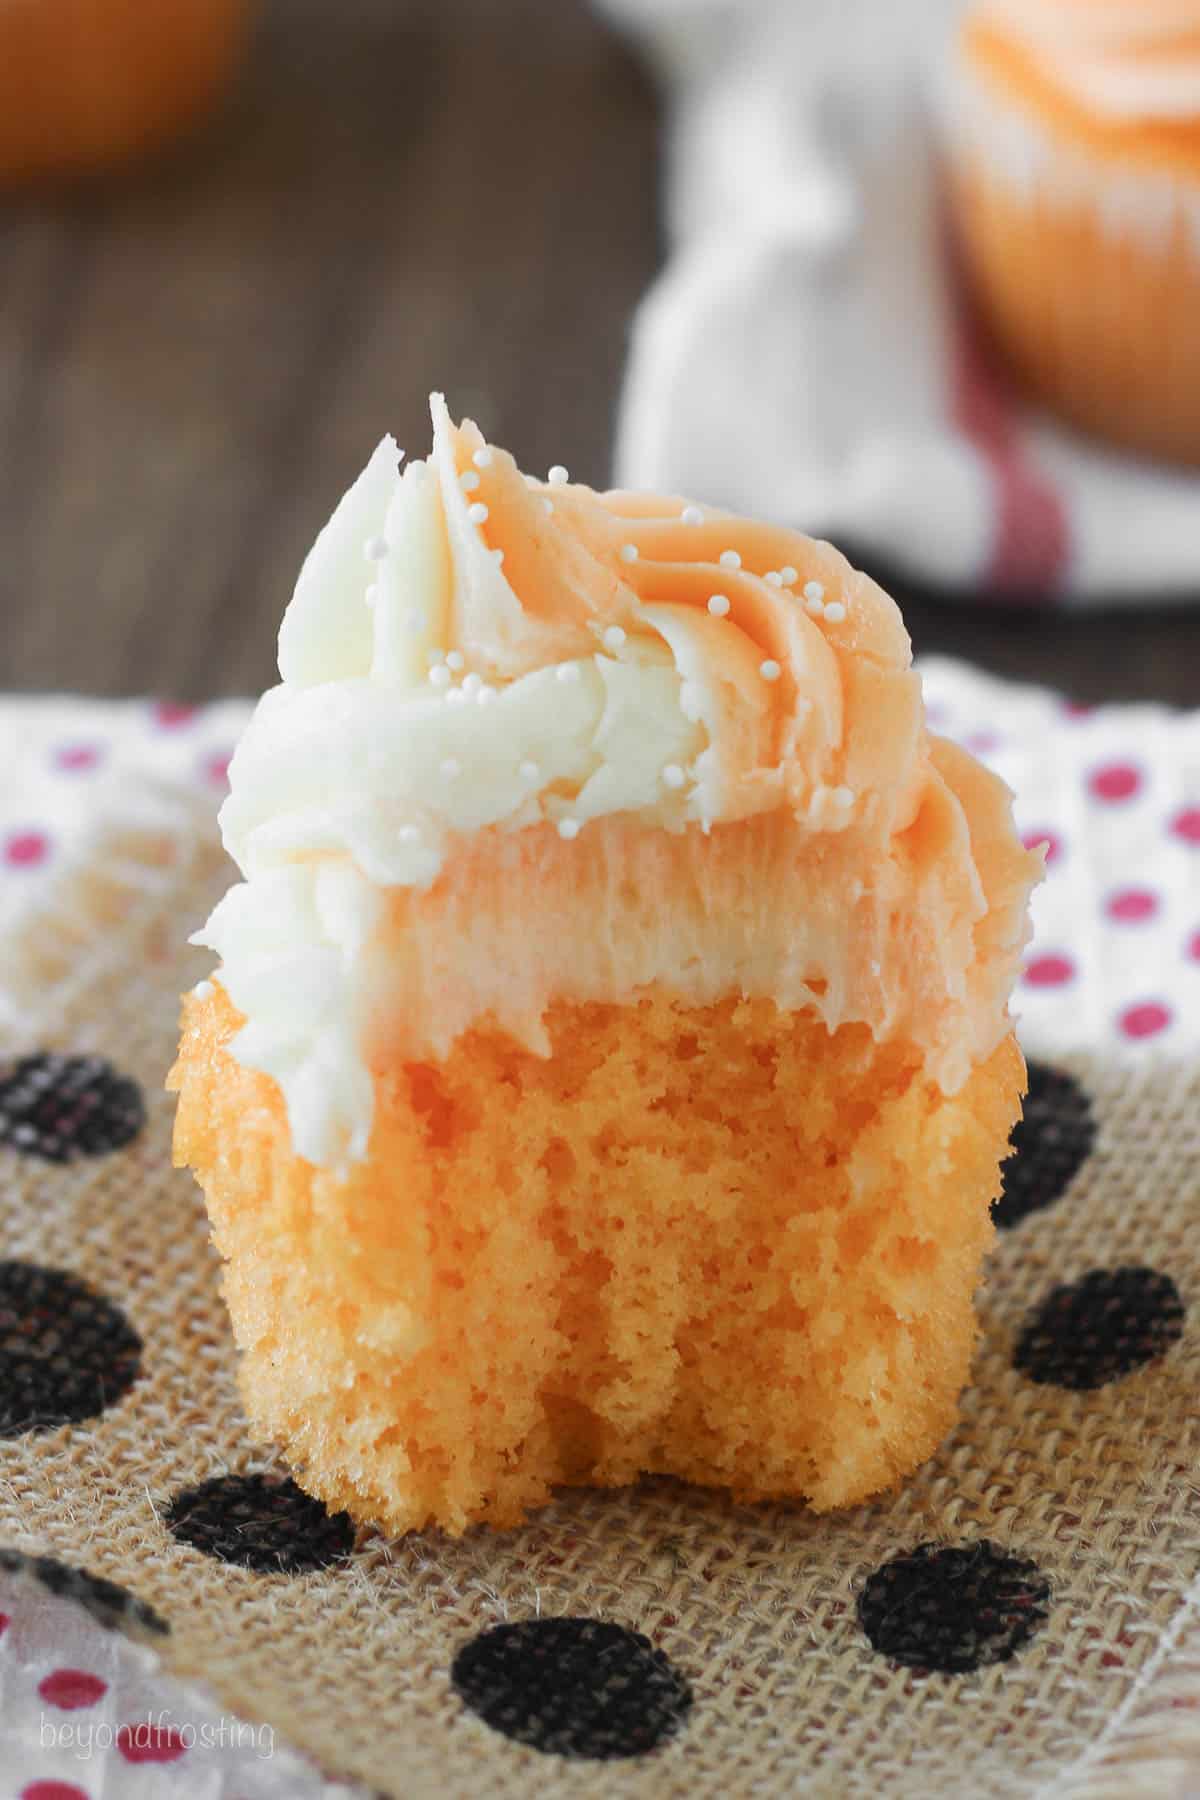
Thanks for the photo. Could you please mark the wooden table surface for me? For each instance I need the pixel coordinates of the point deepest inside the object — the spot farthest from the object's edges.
(196, 358)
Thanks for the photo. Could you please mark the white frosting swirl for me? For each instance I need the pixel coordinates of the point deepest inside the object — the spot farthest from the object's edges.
(1121, 59)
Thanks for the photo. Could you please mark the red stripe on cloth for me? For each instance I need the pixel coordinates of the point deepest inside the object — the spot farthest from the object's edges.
(1031, 538)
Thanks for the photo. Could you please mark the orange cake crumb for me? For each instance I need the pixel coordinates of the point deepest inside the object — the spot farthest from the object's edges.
(716, 1242)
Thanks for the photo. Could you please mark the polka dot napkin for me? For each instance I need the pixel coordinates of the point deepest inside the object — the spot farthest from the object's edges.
(178, 1617)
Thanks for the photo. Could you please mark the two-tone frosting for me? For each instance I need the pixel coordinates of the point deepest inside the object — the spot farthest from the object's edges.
(534, 743)
(1123, 60)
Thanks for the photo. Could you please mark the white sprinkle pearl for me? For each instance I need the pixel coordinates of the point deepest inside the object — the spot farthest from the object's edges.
(629, 552)
(202, 990)
(729, 559)
(455, 659)
(478, 513)
(789, 574)
(558, 476)
(529, 771)
(691, 515)
(773, 578)
(451, 767)
(843, 796)
(813, 590)
(485, 695)
(376, 548)
(456, 697)
(814, 606)
(769, 670)
(718, 606)
(835, 612)
(440, 676)
(482, 458)
(547, 506)
(409, 834)
(568, 828)
(567, 672)
(468, 481)
(673, 776)
(614, 637)
(472, 683)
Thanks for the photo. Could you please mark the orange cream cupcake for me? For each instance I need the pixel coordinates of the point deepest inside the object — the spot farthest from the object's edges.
(84, 83)
(1075, 150)
(609, 1064)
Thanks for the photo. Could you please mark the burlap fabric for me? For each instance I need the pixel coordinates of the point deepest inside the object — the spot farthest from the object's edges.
(757, 1608)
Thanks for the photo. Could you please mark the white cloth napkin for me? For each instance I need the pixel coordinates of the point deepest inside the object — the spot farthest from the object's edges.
(804, 355)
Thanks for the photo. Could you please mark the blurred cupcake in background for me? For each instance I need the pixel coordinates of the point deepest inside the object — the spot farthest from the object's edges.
(84, 83)
(1074, 133)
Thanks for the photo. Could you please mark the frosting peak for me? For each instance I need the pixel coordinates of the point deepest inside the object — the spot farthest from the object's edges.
(1122, 59)
(478, 670)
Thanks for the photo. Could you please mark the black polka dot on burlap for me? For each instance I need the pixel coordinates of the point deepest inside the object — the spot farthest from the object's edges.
(572, 1687)
(264, 1523)
(66, 1352)
(1054, 1139)
(60, 1107)
(113, 1607)
(1095, 1330)
(953, 1609)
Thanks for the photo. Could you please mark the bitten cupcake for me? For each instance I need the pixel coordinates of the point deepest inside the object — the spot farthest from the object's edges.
(609, 1066)
(1074, 129)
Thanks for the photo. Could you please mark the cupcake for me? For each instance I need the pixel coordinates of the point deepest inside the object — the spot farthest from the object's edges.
(1074, 130)
(84, 83)
(608, 1067)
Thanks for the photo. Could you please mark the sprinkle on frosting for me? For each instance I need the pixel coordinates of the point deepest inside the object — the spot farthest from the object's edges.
(440, 676)
(455, 660)
(614, 637)
(567, 672)
(482, 457)
(478, 514)
(729, 559)
(773, 578)
(789, 575)
(558, 476)
(770, 669)
(568, 828)
(835, 612)
(468, 481)
(673, 775)
(691, 515)
(843, 796)
(629, 553)
(814, 590)
(375, 548)
(718, 605)
(529, 771)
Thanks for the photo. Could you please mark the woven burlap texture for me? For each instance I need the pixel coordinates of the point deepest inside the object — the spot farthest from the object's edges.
(755, 1605)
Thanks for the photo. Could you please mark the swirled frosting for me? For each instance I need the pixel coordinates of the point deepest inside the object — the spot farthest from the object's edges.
(1120, 59)
(534, 742)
